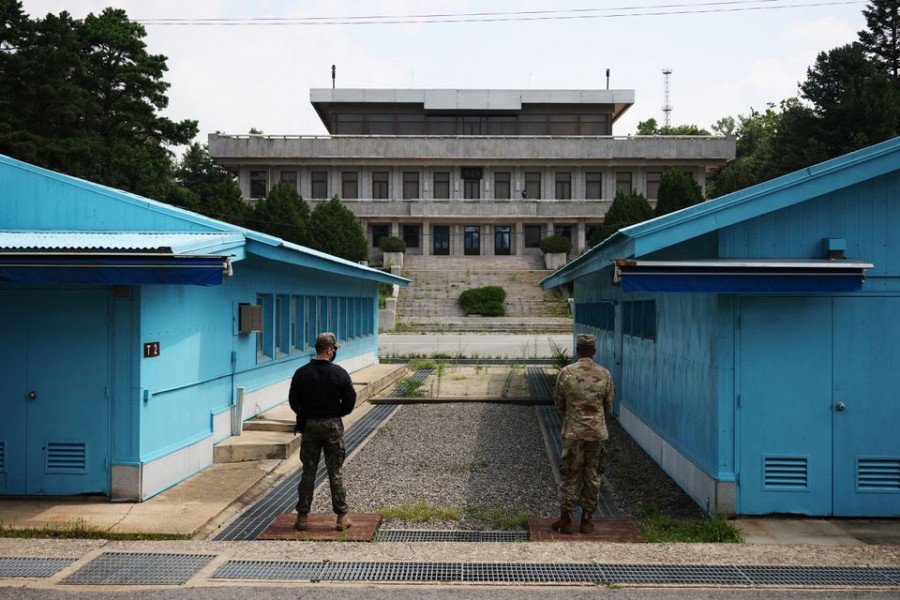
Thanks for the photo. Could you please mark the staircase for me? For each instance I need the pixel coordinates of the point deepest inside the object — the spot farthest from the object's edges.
(431, 302)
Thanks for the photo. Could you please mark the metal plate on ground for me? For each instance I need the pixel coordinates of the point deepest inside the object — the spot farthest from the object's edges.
(32, 567)
(817, 576)
(322, 528)
(674, 574)
(127, 568)
(394, 572)
(606, 529)
(530, 573)
(275, 570)
(421, 535)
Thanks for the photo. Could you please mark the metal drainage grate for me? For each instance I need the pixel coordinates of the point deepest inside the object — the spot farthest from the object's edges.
(420, 375)
(817, 576)
(892, 574)
(276, 571)
(531, 573)
(677, 574)
(399, 571)
(33, 567)
(417, 535)
(127, 568)
(283, 497)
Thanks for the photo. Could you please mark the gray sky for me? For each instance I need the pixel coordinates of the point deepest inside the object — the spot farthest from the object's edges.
(725, 56)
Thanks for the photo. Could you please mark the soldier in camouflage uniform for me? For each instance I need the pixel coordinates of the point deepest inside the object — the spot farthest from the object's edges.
(321, 393)
(583, 394)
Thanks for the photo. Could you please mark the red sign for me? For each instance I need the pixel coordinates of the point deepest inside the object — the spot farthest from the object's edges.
(151, 349)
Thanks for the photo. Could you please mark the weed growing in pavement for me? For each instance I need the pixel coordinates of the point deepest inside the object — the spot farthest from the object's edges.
(559, 354)
(420, 512)
(661, 528)
(82, 530)
(501, 518)
(420, 363)
(410, 388)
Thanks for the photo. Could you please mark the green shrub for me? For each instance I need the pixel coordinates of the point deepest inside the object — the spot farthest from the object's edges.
(392, 244)
(556, 243)
(487, 301)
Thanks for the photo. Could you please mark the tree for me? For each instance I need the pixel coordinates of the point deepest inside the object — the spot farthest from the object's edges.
(82, 96)
(201, 185)
(651, 127)
(333, 228)
(282, 213)
(677, 190)
(627, 208)
(880, 40)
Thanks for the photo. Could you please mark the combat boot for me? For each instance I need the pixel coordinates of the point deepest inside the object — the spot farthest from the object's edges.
(302, 523)
(564, 524)
(343, 522)
(587, 522)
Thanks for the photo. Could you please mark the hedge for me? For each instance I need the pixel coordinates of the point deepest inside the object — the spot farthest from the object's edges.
(556, 243)
(486, 301)
(392, 244)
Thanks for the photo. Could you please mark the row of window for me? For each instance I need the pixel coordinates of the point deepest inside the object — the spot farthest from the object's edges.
(472, 234)
(292, 322)
(638, 317)
(531, 187)
(419, 124)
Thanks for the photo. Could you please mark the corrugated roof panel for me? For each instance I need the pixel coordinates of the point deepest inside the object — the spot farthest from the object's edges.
(111, 241)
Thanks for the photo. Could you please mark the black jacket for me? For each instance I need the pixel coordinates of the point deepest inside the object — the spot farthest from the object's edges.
(321, 390)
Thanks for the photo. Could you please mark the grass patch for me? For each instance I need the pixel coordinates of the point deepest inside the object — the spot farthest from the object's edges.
(410, 388)
(660, 528)
(420, 363)
(420, 512)
(80, 530)
(501, 518)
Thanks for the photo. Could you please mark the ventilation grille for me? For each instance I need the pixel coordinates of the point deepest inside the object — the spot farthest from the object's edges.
(2, 456)
(786, 472)
(250, 318)
(878, 474)
(66, 458)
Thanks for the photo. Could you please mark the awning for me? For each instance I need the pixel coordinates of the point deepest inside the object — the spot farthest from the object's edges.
(113, 268)
(740, 276)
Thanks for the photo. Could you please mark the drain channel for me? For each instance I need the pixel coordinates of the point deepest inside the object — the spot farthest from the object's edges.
(33, 567)
(421, 535)
(133, 568)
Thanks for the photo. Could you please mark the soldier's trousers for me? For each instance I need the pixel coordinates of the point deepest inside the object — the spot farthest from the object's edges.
(583, 462)
(322, 435)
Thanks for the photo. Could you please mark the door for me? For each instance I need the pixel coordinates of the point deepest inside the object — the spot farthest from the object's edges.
(59, 434)
(784, 405)
(502, 239)
(866, 409)
(441, 243)
(472, 240)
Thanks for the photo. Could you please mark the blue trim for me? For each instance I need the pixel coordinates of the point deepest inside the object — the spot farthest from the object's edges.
(743, 284)
(113, 270)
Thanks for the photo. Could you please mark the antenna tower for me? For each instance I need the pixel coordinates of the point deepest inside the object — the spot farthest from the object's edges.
(667, 108)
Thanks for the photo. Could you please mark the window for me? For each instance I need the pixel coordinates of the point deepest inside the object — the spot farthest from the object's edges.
(563, 185)
(411, 236)
(350, 185)
(623, 182)
(563, 230)
(590, 231)
(441, 185)
(410, 124)
(593, 185)
(283, 325)
(502, 240)
(410, 185)
(349, 124)
(532, 236)
(472, 240)
(599, 315)
(532, 189)
(258, 184)
(472, 189)
(502, 190)
(380, 185)
(639, 319)
(319, 180)
(265, 339)
(379, 230)
(563, 125)
(653, 179)
(380, 124)
(289, 177)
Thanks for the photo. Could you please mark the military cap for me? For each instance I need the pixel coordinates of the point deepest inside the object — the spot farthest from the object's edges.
(585, 339)
(326, 340)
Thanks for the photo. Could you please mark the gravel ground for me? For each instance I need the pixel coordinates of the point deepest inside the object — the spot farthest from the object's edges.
(488, 456)
(479, 455)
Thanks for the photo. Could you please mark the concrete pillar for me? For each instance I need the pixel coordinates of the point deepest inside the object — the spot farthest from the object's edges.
(580, 242)
(519, 233)
(427, 246)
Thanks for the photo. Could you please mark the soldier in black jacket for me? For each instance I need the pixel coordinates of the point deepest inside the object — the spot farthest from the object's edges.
(321, 393)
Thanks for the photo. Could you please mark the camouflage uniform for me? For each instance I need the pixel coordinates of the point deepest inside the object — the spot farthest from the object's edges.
(319, 435)
(584, 392)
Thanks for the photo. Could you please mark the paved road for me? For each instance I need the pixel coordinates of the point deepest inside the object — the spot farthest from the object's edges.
(472, 345)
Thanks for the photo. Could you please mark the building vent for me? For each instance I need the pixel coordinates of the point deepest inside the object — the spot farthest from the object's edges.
(2, 456)
(66, 458)
(878, 474)
(250, 318)
(786, 472)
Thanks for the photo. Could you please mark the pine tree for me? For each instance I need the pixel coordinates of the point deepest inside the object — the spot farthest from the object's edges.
(677, 190)
(626, 209)
(334, 229)
(881, 38)
(282, 213)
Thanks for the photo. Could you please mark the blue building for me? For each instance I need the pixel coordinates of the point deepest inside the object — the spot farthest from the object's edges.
(753, 339)
(129, 327)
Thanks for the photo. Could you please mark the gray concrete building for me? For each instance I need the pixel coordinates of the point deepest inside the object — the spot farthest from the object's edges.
(468, 172)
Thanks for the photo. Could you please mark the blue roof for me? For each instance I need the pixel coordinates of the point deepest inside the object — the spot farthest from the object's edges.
(794, 188)
(50, 226)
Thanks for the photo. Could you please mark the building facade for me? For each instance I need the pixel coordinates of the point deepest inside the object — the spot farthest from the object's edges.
(468, 172)
(752, 339)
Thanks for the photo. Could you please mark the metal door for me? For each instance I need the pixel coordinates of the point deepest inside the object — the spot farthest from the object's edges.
(59, 397)
(866, 408)
(12, 401)
(502, 242)
(441, 240)
(784, 406)
(472, 240)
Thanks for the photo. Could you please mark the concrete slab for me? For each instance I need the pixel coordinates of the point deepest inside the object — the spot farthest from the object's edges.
(256, 445)
(610, 529)
(321, 528)
(832, 532)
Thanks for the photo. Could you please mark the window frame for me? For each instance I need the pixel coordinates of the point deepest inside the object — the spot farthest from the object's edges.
(381, 188)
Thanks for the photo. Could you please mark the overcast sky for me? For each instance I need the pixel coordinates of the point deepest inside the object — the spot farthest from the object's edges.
(726, 57)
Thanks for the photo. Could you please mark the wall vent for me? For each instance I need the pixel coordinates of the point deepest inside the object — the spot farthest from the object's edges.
(66, 458)
(878, 474)
(786, 472)
(250, 318)
(2, 456)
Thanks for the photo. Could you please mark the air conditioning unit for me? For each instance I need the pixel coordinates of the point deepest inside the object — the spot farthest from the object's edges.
(250, 318)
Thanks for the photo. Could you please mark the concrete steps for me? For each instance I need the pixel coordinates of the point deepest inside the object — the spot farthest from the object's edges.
(270, 435)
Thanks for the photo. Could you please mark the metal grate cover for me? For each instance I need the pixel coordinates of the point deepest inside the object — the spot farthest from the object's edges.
(678, 574)
(275, 571)
(420, 535)
(33, 567)
(817, 576)
(127, 568)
